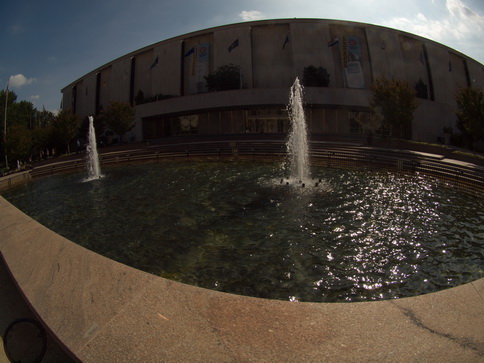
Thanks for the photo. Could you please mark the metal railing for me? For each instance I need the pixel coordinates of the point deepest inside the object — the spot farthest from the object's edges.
(465, 176)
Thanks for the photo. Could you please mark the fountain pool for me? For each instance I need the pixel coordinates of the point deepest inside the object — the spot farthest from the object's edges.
(231, 226)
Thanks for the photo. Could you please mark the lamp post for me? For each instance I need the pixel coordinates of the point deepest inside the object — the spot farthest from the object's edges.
(5, 127)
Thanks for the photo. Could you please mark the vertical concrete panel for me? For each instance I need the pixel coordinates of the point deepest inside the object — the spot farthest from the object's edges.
(439, 61)
(85, 97)
(476, 73)
(105, 88)
(414, 59)
(77, 99)
(343, 121)
(165, 69)
(430, 118)
(385, 54)
(234, 46)
(226, 122)
(330, 121)
(203, 123)
(317, 121)
(142, 78)
(119, 80)
(272, 56)
(458, 71)
(66, 98)
(238, 124)
(310, 47)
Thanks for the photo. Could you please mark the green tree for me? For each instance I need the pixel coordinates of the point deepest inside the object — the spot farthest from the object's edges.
(119, 117)
(22, 113)
(470, 112)
(226, 77)
(43, 118)
(32, 122)
(19, 143)
(64, 128)
(41, 139)
(11, 99)
(395, 101)
(315, 77)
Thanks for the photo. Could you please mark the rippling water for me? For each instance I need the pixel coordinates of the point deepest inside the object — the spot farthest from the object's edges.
(232, 227)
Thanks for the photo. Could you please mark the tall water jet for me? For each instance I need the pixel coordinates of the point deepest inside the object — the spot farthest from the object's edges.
(297, 143)
(93, 168)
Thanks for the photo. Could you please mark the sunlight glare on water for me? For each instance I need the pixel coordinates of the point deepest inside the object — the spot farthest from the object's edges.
(234, 227)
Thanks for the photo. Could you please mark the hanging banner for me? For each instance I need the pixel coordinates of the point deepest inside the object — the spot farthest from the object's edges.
(352, 62)
(203, 67)
(345, 51)
(199, 68)
(353, 49)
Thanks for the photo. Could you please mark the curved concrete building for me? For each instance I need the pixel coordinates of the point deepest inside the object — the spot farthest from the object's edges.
(167, 80)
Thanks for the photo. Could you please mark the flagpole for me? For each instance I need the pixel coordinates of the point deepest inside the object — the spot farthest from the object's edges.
(5, 127)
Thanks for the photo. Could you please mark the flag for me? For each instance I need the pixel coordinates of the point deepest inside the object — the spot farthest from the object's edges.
(333, 42)
(190, 52)
(235, 44)
(155, 62)
(285, 42)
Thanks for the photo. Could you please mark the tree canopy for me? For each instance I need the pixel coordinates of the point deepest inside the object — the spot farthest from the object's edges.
(395, 101)
(470, 112)
(315, 77)
(119, 117)
(226, 77)
(65, 127)
(22, 123)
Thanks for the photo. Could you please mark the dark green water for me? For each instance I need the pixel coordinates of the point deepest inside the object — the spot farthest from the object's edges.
(229, 226)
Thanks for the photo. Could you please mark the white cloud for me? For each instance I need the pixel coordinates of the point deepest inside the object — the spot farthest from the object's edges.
(20, 80)
(467, 22)
(16, 29)
(34, 97)
(251, 15)
(459, 23)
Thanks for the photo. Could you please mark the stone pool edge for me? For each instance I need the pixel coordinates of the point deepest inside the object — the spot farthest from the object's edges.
(102, 310)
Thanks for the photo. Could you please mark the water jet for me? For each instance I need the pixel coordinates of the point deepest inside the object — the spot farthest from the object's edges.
(92, 156)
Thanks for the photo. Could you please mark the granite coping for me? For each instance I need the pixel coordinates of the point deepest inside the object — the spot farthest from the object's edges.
(104, 311)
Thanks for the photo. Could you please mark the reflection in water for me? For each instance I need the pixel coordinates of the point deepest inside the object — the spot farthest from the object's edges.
(234, 227)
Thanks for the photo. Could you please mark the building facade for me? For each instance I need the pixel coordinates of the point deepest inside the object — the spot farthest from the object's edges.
(167, 84)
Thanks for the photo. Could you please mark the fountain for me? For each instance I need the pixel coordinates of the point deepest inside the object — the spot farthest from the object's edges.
(93, 168)
(228, 225)
(297, 143)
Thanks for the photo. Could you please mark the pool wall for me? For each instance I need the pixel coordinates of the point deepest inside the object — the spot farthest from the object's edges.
(104, 311)
(101, 311)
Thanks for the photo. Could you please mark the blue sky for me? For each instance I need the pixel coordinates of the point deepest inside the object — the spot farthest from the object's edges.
(45, 45)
